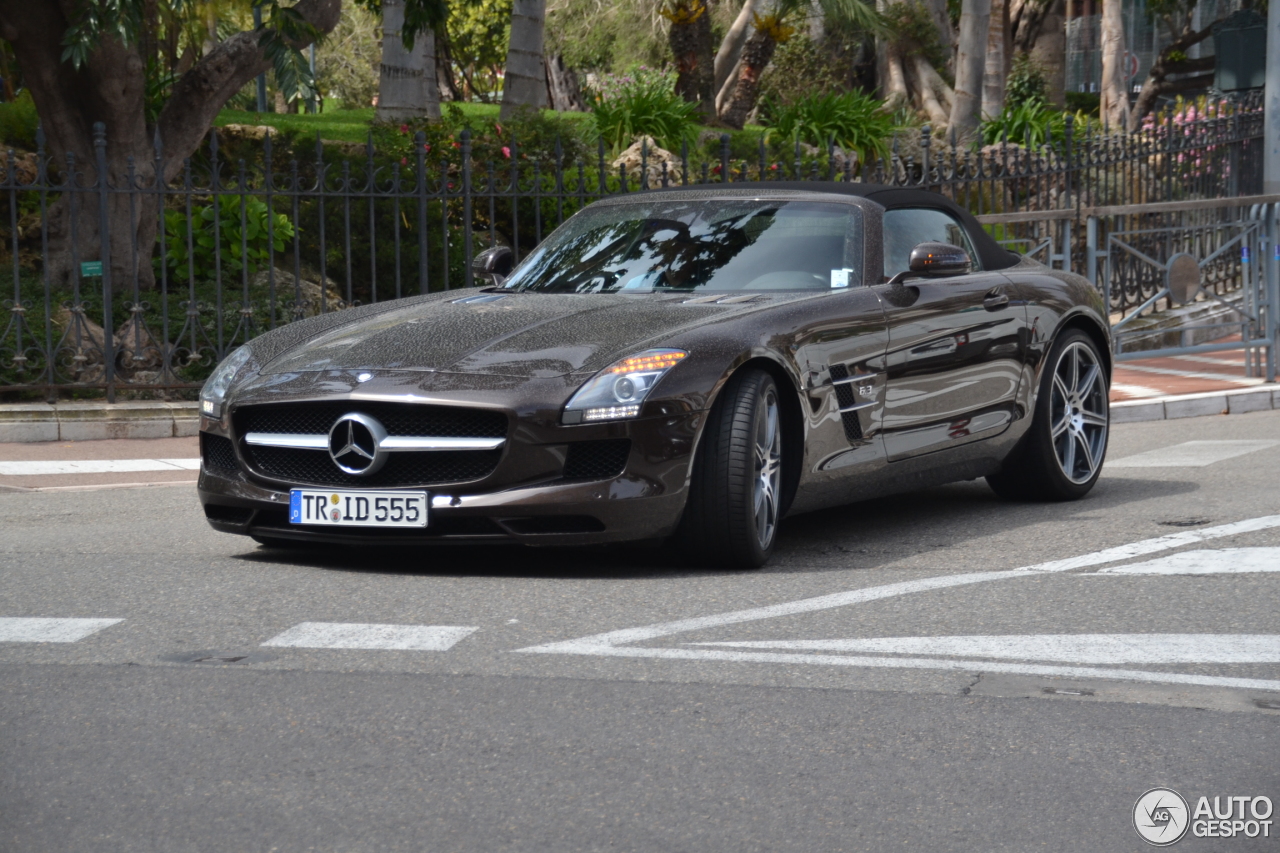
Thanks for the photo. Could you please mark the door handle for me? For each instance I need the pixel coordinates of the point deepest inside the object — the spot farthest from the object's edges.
(995, 300)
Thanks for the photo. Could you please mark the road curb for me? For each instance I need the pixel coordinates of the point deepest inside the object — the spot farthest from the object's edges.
(96, 421)
(1259, 399)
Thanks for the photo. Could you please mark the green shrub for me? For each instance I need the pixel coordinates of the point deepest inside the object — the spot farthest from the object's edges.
(1087, 103)
(1030, 123)
(18, 122)
(1027, 81)
(236, 246)
(642, 103)
(853, 120)
(799, 69)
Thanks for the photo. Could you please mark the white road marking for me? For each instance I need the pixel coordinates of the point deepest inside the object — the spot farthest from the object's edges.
(22, 630)
(1190, 454)
(1068, 648)
(351, 635)
(1224, 561)
(609, 644)
(95, 466)
(1189, 374)
(1136, 390)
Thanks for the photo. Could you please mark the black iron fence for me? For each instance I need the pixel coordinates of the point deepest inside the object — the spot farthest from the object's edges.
(254, 232)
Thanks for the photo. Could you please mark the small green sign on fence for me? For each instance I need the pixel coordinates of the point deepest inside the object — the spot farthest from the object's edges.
(90, 268)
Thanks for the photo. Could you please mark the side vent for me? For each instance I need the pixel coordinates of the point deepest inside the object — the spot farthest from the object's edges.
(218, 453)
(846, 400)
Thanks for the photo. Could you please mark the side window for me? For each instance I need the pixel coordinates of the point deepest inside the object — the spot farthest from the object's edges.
(906, 228)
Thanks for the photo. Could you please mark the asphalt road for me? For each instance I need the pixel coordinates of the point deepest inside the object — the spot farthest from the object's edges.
(927, 672)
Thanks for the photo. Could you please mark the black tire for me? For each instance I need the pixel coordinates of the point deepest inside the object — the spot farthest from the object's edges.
(735, 493)
(1061, 456)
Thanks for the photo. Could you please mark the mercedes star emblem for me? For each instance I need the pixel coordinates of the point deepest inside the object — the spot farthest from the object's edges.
(355, 444)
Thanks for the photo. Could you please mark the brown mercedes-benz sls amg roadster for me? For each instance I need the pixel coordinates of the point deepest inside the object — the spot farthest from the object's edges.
(690, 364)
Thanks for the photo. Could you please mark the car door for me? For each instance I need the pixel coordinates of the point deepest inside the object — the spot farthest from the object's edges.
(955, 352)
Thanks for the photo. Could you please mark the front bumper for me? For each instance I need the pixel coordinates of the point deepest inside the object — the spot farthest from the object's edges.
(525, 500)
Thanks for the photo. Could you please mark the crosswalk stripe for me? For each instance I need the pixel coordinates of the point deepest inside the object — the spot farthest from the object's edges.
(353, 635)
(29, 630)
(1191, 454)
(34, 468)
(1135, 390)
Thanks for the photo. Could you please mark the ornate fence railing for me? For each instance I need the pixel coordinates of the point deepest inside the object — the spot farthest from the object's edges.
(252, 233)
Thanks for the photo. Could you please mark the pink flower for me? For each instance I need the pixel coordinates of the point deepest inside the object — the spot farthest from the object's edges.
(426, 147)
(404, 161)
(404, 128)
(457, 145)
(506, 152)
(497, 127)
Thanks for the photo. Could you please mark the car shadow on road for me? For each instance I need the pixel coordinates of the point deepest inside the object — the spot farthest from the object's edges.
(864, 535)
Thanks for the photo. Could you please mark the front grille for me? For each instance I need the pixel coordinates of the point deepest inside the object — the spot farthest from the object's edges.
(398, 418)
(418, 468)
(597, 460)
(218, 453)
(427, 468)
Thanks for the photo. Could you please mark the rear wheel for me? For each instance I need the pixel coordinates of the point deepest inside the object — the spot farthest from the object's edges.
(731, 518)
(1061, 457)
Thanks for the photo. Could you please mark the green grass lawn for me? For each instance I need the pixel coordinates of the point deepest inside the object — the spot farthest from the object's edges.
(349, 125)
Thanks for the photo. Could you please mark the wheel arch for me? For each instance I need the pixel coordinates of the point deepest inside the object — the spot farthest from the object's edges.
(1100, 336)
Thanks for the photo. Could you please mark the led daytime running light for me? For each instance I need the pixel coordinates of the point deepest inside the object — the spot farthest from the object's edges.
(645, 363)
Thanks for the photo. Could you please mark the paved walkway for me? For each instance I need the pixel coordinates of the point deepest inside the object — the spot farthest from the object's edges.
(1150, 378)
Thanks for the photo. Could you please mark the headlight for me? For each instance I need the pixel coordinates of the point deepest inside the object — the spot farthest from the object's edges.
(617, 391)
(215, 388)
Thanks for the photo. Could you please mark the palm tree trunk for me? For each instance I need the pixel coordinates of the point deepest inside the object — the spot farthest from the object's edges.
(407, 85)
(690, 40)
(1115, 100)
(525, 83)
(997, 65)
(975, 19)
(756, 54)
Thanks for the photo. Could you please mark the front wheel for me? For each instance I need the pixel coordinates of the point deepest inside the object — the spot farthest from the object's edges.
(731, 518)
(1061, 456)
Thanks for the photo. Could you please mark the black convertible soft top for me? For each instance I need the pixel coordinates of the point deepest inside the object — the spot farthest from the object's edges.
(993, 255)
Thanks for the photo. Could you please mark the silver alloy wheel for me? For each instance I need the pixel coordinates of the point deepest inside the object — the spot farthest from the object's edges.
(1078, 412)
(768, 469)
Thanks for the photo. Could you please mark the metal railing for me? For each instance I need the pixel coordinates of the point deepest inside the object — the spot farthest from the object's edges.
(248, 235)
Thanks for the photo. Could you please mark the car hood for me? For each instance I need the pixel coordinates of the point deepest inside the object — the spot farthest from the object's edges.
(527, 335)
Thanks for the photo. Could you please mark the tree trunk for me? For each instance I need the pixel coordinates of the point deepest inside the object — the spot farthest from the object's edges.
(731, 48)
(111, 89)
(407, 84)
(525, 83)
(756, 55)
(562, 86)
(1158, 82)
(1049, 51)
(975, 20)
(690, 40)
(997, 63)
(1114, 108)
(894, 86)
(937, 10)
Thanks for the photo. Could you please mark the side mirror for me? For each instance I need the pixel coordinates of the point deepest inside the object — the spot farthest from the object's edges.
(494, 263)
(939, 259)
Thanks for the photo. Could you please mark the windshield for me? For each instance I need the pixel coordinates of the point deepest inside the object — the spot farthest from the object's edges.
(714, 245)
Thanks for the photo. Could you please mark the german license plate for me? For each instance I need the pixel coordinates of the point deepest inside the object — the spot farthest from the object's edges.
(358, 509)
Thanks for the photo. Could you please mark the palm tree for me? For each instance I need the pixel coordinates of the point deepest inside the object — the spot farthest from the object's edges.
(690, 39)
(525, 83)
(407, 80)
(975, 21)
(774, 28)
